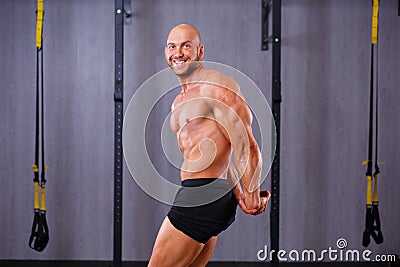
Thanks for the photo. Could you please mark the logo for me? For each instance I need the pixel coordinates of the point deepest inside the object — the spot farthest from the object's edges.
(330, 254)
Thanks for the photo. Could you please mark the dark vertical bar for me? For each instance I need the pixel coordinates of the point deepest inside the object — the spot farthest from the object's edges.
(276, 111)
(265, 4)
(398, 7)
(118, 100)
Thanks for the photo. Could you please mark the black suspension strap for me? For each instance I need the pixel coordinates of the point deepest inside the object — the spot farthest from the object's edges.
(40, 233)
(372, 218)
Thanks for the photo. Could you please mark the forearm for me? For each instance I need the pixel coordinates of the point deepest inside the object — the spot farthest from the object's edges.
(249, 166)
(233, 179)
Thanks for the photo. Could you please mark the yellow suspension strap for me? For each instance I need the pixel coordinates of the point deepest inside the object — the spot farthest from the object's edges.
(40, 233)
(372, 219)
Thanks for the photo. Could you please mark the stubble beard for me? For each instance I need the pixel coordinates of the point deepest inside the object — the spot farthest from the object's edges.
(188, 68)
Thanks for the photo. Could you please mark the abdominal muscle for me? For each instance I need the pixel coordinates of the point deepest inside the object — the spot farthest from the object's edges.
(205, 149)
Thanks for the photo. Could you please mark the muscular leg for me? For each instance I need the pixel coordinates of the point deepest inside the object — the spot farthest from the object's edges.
(174, 248)
(205, 253)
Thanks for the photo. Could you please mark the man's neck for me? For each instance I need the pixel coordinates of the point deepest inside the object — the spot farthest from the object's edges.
(193, 77)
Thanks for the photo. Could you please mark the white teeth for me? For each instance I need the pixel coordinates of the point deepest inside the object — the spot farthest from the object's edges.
(178, 62)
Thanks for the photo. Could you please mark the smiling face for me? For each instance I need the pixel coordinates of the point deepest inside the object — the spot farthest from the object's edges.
(183, 47)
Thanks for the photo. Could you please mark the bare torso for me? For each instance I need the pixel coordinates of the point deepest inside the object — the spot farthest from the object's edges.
(204, 147)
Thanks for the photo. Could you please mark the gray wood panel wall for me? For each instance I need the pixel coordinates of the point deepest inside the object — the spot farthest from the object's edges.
(325, 85)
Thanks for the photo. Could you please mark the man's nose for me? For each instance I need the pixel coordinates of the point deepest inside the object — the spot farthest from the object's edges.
(179, 51)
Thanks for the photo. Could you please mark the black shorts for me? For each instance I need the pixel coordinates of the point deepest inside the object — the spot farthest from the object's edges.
(207, 220)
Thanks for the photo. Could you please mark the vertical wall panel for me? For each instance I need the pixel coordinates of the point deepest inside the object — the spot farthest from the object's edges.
(325, 85)
(230, 31)
(78, 69)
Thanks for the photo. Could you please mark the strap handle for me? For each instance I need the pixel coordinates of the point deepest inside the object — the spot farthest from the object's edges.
(40, 232)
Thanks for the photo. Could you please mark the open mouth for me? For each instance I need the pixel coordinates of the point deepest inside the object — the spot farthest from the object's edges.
(178, 62)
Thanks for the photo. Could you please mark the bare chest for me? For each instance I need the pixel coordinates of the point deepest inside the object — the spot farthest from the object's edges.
(188, 107)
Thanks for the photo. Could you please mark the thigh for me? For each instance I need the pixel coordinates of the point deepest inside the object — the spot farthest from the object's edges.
(205, 253)
(174, 248)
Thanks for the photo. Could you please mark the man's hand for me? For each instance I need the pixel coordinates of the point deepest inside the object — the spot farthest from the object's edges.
(232, 177)
(264, 195)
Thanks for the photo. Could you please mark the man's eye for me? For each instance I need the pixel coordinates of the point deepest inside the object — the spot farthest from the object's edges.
(186, 46)
(171, 47)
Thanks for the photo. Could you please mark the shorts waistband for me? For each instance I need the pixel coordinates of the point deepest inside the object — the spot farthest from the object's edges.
(198, 182)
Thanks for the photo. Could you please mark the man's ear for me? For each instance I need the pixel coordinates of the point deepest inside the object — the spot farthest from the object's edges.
(200, 53)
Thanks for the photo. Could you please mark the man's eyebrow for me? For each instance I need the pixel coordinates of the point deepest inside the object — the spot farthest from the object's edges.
(187, 41)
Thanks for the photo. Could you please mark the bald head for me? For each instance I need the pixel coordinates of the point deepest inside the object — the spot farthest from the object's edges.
(184, 31)
(183, 47)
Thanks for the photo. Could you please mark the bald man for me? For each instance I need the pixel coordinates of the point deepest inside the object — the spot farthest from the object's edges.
(211, 120)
